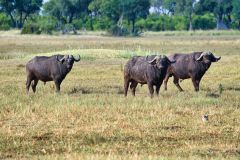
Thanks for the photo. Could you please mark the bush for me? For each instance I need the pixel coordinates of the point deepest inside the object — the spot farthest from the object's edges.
(39, 24)
(235, 24)
(47, 24)
(163, 22)
(68, 28)
(89, 24)
(101, 23)
(5, 22)
(98, 23)
(180, 23)
(31, 28)
(204, 22)
(150, 22)
(140, 24)
(115, 30)
(78, 24)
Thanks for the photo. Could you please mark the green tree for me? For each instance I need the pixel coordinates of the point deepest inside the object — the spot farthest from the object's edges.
(223, 10)
(119, 10)
(97, 8)
(134, 9)
(20, 10)
(204, 22)
(5, 22)
(157, 5)
(186, 8)
(170, 6)
(53, 8)
(236, 11)
(220, 8)
(67, 10)
(113, 9)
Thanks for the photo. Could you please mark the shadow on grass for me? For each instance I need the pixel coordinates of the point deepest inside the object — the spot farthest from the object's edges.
(174, 127)
(6, 57)
(232, 88)
(43, 137)
(102, 90)
(20, 66)
(220, 91)
(213, 95)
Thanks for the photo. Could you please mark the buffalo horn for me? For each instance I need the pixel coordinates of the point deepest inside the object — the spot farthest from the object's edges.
(156, 58)
(203, 53)
(77, 59)
(61, 60)
(217, 58)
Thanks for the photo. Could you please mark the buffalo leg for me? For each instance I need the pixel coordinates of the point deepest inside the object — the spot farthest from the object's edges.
(151, 90)
(158, 88)
(28, 83)
(176, 82)
(166, 81)
(133, 87)
(34, 84)
(58, 83)
(126, 85)
(196, 84)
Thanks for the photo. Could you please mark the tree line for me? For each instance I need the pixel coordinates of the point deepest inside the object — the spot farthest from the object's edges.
(119, 17)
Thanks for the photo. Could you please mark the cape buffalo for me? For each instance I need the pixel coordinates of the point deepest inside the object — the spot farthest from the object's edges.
(192, 66)
(149, 70)
(54, 68)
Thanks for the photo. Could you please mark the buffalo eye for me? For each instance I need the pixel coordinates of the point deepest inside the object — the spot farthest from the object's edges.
(70, 60)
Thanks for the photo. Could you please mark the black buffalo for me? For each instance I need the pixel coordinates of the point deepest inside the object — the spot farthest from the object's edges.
(192, 66)
(54, 68)
(149, 70)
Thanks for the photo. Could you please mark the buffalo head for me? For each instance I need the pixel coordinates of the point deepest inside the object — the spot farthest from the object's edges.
(68, 60)
(161, 62)
(208, 57)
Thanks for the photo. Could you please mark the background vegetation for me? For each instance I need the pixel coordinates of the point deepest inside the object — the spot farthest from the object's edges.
(91, 119)
(118, 17)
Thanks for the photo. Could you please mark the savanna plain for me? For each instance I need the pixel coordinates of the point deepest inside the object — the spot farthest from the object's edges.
(91, 119)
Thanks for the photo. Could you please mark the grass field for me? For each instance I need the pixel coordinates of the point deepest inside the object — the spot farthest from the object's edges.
(91, 119)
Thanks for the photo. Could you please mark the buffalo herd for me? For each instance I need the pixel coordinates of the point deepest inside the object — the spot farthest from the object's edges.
(152, 70)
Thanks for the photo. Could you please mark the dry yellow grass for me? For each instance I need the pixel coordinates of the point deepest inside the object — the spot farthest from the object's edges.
(90, 118)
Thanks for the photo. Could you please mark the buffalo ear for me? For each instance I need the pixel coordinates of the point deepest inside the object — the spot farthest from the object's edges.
(60, 60)
(171, 62)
